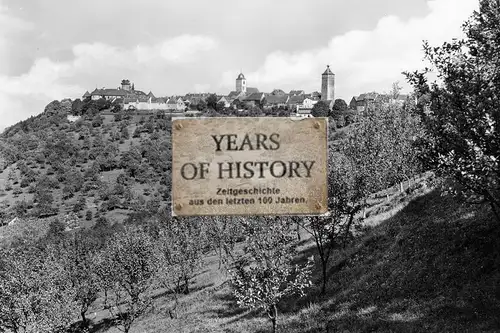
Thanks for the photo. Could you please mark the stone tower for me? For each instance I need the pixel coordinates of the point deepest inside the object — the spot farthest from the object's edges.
(327, 85)
(126, 84)
(241, 83)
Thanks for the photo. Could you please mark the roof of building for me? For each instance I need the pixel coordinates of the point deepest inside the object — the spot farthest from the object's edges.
(196, 95)
(328, 71)
(175, 100)
(128, 100)
(137, 92)
(150, 94)
(109, 92)
(297, 99)
(240, 77)
(276, 99)
(367, 96)
(87, 94)
(251, 90)
(278, 92)
(257, 96)
(234, 94)
(196, 100)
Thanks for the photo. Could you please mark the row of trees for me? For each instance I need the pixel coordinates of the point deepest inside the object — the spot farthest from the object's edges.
(54, 282)
(47, 284)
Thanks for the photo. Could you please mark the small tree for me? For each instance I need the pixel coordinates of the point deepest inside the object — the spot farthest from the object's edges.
(220, 107)
(17, 191)
(8, 185)
(182, 245)
(202, 105)
(78, 254)
(128, 266)
(35, 293)
(13, 176)
(124, 133)
(320, 109)
(265, 275)
(212, 102)
(345, 201)
(337, 112)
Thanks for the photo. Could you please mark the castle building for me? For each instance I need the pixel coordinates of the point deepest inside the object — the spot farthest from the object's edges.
(126, 85)
(241, 83)
(328, 85)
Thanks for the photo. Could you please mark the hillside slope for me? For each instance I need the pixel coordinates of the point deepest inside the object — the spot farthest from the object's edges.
(432, 267)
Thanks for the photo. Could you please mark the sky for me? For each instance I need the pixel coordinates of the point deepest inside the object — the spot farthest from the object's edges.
(56, 49)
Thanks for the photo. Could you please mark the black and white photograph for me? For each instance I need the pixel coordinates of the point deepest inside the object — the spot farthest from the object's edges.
(267, 166)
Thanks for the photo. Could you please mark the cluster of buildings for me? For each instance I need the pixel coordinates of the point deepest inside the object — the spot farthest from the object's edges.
(137, 99)
(298, 102)
(361, 102)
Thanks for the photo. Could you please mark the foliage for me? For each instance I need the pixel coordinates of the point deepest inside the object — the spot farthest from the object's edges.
(337, 113)
(78, 254)
(320, 109)
(181, 244)
(265, 275)
(223, 233)
(345, 201)
(382, 146)
(202, 105)
(35, 294)
(461, 112)
(127, 266)
(212, 101)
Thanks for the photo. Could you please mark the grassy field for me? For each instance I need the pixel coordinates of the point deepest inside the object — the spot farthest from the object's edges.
(427, 263)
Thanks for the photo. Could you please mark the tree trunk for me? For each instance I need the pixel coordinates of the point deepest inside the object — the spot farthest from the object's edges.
(323, 268)
(173, 312)
(105, 298)
(401, 187)
(273, 315)
(364, 209)
(298, 231)
(186, 285)
(84, 319)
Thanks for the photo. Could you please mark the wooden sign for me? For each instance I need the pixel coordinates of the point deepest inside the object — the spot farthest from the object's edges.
(249, 166)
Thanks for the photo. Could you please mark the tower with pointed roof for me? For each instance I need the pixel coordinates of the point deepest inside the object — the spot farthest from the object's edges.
(328, 85)
(241, 83)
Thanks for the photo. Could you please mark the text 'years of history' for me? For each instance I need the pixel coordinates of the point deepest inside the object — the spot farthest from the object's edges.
(249, 166)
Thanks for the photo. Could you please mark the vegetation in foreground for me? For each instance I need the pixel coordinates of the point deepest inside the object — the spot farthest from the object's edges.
(422, 270)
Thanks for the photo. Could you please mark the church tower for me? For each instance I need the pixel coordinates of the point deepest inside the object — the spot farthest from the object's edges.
(241, 83)
(327, 85)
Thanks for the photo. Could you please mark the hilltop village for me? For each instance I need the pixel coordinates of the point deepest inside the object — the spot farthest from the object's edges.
(295, 103)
